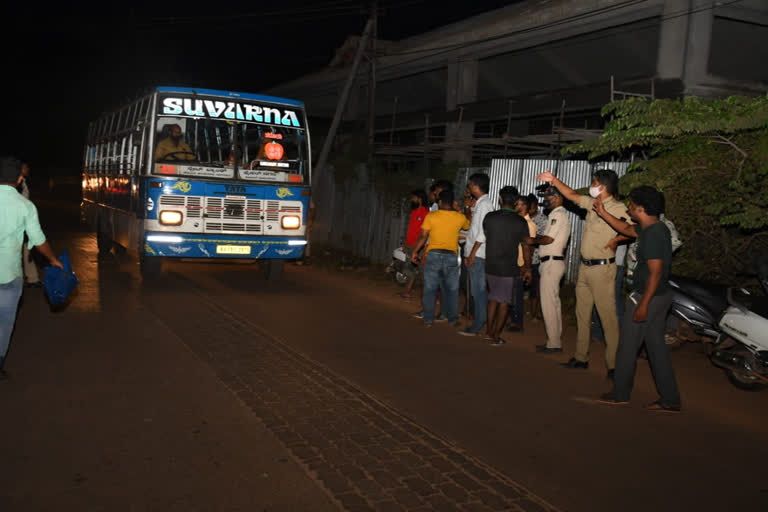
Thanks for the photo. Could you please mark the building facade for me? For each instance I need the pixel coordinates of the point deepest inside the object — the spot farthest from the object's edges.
(500, 83)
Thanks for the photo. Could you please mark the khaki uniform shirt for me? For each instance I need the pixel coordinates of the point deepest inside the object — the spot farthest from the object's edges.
(597, 233)
(559, 230)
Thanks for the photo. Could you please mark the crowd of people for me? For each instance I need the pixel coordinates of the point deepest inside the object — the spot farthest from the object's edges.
(490, 253)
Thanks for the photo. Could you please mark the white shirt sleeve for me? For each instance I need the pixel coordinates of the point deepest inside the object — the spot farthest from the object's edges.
(476, 233)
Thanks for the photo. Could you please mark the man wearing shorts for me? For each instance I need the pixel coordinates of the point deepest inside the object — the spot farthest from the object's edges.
(503, 231)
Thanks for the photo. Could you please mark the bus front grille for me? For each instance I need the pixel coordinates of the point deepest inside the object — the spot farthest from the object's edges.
(191, 205)
(233, 215)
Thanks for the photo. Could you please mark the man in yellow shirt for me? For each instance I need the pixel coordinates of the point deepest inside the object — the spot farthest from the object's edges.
(441, 264)
(173, 148)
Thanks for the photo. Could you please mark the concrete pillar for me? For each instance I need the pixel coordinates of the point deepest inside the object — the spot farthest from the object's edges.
(697, 50)
(461, 89)
(670, 63)
(684, 45)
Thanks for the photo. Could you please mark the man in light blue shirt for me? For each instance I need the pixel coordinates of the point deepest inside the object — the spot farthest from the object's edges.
(17, 216)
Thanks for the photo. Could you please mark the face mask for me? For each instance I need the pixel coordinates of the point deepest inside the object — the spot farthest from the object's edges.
(414, 205)
(595, 191)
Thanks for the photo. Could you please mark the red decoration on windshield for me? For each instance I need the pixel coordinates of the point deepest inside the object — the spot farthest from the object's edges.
(274, 151)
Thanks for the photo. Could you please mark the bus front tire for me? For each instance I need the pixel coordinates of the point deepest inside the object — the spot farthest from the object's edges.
(273, 270)
(150, 266)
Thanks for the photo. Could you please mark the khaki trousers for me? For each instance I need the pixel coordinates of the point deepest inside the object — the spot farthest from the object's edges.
(595, 287)
(551, 272)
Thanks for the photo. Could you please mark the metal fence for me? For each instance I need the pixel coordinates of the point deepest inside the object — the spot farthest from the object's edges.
(354, 216)
(576, 174)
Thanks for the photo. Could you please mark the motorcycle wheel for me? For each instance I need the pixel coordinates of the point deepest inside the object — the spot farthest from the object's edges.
(671, 337)
(743, 381)
(400, 278)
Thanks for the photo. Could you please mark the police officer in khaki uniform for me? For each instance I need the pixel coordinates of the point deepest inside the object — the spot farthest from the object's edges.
(552, 267)
(597, 273)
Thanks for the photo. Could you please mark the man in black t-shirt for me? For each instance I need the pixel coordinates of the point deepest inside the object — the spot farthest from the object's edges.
(503, 231)
(648, 302)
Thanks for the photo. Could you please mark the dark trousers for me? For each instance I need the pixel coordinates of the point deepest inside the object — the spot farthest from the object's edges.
(516, 311)
(650, 332)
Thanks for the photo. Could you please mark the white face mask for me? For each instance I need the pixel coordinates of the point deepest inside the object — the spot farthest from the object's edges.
(595, 191)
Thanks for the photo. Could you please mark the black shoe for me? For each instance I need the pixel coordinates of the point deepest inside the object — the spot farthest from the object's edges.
(36, 284)
(543, 349)
(611, 375)
(575, 363)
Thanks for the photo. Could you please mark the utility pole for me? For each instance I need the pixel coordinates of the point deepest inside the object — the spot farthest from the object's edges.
(372, 83)
(341, 105)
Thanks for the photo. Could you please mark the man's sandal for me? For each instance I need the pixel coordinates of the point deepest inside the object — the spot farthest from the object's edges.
(657, 406)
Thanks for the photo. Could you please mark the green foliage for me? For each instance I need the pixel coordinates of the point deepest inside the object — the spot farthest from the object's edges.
(710, 158)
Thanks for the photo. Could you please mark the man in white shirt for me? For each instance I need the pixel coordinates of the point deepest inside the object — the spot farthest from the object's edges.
(552, 245)
(474, 251)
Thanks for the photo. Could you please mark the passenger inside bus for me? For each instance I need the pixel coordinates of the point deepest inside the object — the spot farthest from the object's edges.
(173, 147)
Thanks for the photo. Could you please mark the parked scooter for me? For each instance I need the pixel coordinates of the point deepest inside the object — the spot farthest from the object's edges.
(398, 265)
(741, 348)
(696, 308)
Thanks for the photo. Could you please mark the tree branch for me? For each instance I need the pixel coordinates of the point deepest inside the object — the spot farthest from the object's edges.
(720, 139)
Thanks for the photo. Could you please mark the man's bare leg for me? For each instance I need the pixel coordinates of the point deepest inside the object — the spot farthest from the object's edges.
(489, 325)
(408, 288)
(499, 320)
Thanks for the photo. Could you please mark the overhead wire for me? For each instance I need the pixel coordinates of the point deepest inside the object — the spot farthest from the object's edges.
(345, 6)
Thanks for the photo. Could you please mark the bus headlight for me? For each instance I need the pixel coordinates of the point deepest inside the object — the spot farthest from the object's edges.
(170, 217)
(290, 222)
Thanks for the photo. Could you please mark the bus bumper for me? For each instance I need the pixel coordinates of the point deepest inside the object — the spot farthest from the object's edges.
(194, 245)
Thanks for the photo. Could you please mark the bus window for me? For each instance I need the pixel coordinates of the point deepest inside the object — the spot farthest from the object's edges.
(171, 145)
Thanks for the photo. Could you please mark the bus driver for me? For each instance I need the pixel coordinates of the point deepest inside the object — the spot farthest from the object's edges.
(173, 148)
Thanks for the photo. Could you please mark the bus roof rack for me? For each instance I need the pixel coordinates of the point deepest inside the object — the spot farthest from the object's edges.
(230, 94)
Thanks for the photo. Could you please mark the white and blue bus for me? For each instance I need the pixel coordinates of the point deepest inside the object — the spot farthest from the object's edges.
(198, 173)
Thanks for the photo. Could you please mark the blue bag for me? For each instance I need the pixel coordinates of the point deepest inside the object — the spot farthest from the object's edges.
(59, 284)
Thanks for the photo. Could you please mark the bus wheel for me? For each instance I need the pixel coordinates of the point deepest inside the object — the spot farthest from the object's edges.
(103, 241)
(274, 270)
(150, 266)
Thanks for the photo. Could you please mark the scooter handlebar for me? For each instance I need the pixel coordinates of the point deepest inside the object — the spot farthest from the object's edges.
(735, 303)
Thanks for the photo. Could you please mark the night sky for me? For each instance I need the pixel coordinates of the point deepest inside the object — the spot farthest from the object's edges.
(64, 66)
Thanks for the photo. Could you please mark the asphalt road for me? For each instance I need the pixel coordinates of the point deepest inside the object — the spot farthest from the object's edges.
(325, 384)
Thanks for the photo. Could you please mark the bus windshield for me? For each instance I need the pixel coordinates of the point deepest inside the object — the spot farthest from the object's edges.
(206, 138)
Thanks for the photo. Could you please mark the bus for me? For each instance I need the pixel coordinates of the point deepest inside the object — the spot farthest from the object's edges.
(197, 173)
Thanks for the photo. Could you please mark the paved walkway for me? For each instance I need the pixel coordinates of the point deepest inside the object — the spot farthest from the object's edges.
(108, 409)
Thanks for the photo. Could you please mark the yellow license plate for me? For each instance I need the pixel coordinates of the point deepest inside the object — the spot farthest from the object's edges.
(233, 249)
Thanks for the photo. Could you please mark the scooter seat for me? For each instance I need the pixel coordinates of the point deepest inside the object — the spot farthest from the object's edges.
(713, 296)
(759, 306)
